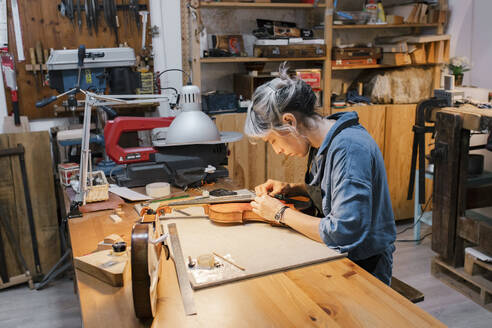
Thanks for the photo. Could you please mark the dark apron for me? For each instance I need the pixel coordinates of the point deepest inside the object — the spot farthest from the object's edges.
(315, 194)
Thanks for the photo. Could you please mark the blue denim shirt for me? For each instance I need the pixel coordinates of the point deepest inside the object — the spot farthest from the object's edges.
(358, 217)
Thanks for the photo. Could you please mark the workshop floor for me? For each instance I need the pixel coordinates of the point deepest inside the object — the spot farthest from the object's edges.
(58, 306)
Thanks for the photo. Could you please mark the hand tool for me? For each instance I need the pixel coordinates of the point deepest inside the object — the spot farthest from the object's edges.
(229, 261)
(79, 15)
(34, 66)
(424, 109)
(8, 67)
(134, 7)
(144, 15)
(179, 262)
(39, 57)
(19, 151)
(94, 9)
(88, 20)
(17, 30)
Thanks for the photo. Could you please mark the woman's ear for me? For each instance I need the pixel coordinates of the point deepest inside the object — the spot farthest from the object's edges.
(289, 119)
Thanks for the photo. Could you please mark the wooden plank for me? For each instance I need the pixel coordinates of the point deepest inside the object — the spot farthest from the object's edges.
(327, 62)
(247, 161)
(94, 264)
(256, 59)
(447, 184)
(372, 118)
(321, 295)
(259, 5)
(321, 282)
(383, 26)
(397, 156)
(39, 169)
(477, 288)
(41, 21)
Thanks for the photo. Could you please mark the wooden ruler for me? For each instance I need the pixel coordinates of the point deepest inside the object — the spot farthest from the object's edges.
(184, 282)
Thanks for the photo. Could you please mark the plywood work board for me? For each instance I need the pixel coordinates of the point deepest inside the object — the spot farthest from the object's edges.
(257, 247)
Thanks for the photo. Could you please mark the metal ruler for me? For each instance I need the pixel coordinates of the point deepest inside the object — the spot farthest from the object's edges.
(216, 200)
(183, 281)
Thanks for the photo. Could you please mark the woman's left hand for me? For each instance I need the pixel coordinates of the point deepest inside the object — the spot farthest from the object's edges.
(266, 207)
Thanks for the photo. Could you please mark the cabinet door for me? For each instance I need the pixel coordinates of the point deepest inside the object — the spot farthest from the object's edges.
(372, 118)
(247, 161)
(398, 155)
(285, 168)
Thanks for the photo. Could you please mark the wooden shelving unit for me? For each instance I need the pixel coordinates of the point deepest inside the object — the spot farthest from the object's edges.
(259, 5)
(348, 67)
(256, 59)
(382, 26)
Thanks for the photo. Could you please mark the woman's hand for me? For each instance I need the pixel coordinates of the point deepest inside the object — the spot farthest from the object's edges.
(266, 207)
(272, 187)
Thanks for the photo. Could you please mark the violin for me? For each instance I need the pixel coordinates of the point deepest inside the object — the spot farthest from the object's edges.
(240, 213)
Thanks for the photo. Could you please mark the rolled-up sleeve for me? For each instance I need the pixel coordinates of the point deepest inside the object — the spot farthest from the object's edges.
(349, 219)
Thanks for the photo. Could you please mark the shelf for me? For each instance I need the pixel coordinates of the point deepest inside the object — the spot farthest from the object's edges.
(259, 5)
(255, 59)
(374, 26)
(347, 67)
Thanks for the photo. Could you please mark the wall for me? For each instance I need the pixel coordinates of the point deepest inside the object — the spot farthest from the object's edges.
(470, 27)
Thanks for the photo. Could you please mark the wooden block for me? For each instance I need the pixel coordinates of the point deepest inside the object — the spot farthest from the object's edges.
(10, 127)
(113, 238)
(115, 218)
(394, 19)
(418, 56)
(93, 264)
(430, 52)
(396, 59)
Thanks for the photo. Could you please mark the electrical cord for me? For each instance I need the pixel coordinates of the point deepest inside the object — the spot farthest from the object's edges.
(413, 240)
(418, 220)
(175, 70)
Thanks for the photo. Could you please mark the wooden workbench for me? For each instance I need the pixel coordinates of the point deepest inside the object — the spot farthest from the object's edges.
(334, 293)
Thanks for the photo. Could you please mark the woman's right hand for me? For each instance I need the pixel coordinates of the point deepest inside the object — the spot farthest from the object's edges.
(272, 188)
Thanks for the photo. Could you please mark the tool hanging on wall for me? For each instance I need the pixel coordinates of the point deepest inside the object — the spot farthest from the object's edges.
(8, 68)
(40, 60)
(111, 17)
(32, 54)
(73, 11)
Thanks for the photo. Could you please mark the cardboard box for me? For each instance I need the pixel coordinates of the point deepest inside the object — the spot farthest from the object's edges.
(311, 77)
(396, 59)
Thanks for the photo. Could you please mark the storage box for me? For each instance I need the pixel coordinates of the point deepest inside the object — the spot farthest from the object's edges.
(354, 62)
(311, 77)
(66, 172)
(296, 51)
(356, 53)
(394, 19)
(100, 191)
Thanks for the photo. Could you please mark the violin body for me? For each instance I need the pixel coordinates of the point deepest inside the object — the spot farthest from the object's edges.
(233, 213)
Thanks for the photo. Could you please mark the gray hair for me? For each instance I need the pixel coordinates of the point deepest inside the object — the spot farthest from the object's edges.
(274, 98)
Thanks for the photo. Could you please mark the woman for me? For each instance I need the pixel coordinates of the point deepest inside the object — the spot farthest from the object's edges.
(346, 178)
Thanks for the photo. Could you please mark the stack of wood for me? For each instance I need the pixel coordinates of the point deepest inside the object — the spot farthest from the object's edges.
(417, 50)
(420, 13)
